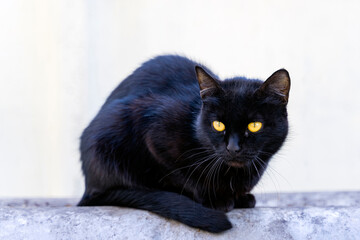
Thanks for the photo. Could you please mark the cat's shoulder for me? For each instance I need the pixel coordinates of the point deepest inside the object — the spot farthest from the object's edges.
(167, 64)
(173, 63)
(169, 60)
(166, 75)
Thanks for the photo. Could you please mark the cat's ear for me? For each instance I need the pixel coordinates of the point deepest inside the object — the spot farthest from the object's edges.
(208, 85)
(278, 84)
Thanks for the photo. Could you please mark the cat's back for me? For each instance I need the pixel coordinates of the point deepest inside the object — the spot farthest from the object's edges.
(166, 75)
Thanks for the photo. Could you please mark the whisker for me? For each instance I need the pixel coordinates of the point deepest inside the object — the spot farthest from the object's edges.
(219, 169)
(205, 183)
(275, 183)
(188, 178)
(190, 165)
(274, 170)
(256, 168)
(202, 149)
(231, 186)
(213, 175)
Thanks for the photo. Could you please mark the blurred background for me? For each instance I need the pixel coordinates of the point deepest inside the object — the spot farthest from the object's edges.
(59, 60)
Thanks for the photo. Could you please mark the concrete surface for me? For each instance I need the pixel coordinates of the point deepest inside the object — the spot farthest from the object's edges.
(333, 215)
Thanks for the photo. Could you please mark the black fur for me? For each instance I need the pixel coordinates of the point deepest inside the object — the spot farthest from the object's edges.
(152, 145)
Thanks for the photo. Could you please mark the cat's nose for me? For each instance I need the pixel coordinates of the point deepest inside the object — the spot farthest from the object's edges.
(233, 144)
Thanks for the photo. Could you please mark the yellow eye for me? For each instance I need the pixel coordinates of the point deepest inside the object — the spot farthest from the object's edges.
(219, 126)
(254, 126)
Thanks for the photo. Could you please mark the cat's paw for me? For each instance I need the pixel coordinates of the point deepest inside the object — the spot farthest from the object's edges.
(222, 205)
(245, 201)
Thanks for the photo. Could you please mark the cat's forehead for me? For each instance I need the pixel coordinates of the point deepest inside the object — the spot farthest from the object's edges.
(239, 101)
(241, 87)
(240, 92)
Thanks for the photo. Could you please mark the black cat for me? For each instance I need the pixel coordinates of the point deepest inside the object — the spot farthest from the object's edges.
(176, 141)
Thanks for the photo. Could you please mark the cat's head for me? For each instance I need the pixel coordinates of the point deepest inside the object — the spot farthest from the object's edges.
(243, 121)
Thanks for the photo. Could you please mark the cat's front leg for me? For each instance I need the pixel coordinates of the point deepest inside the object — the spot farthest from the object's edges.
(245, 201)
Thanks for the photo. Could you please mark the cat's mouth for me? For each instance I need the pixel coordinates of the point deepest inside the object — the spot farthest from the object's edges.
(236, 164)
(240, 162)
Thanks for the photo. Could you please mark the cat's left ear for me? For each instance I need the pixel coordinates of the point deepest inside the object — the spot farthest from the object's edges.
(208, 85)
(278, 84)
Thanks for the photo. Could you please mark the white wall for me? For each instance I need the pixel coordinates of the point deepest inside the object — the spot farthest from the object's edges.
(60, 59)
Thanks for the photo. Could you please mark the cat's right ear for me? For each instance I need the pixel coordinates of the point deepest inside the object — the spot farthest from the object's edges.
(278, 84)
(208, 85)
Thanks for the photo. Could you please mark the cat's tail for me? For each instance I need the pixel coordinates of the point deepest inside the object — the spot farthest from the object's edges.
(167, 204)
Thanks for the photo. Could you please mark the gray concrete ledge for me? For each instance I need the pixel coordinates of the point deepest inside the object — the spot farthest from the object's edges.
(277, 216)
